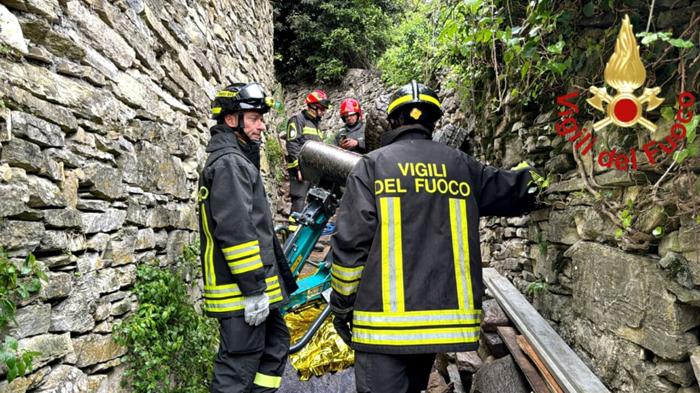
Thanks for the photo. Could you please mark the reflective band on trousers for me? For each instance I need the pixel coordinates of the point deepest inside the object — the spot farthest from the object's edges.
(431, 336)
(460, 251)
(392, 259)
(417, 318)
(267, 381)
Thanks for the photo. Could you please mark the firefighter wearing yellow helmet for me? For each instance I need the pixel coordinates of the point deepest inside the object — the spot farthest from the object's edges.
(406, 272)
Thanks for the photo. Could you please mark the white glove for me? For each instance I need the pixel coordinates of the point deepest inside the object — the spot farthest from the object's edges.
(257, 309)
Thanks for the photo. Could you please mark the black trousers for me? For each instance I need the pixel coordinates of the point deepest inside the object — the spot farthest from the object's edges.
(251, 359)
(380, 373)
(297, 191)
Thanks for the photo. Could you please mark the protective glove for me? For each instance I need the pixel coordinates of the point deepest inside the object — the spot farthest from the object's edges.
(257, 308)
(343, 325)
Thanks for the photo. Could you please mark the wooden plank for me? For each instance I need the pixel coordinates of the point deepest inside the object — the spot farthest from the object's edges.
(549, 379)
(508, 335)
(571, 373)
(456, 380)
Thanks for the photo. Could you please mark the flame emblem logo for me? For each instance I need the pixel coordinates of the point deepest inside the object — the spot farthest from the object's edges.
(625, 73)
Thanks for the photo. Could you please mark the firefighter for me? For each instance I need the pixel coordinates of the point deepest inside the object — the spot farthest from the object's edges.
(246, 277)
(352, 135)
(406, 271)
(302, 127)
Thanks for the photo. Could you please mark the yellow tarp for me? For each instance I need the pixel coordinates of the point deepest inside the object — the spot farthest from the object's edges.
(326, 352)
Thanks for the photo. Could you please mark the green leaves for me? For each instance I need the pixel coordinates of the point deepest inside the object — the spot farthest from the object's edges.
(171, 347)
(319, 40)
(691, 149)
(556, 48)
(650, 38)
(16, 282)
(588, 9)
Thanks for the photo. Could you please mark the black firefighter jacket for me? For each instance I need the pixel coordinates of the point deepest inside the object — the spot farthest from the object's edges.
(240, 254)
(406, 257)
(355, 132)
(300, 128)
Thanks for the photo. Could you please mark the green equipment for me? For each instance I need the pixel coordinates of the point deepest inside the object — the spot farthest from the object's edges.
(326, 167)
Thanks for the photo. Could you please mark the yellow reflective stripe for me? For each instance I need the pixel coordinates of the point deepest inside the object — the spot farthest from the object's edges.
(209, 274)
(310, 131)
(344, 288)
(409, 97)
(294, 164)
(254, 265)
(423, 336)
(248, 252)
(417, 318)
(241, 246)
(347, 273)
(269, 281)
(430, 99)
(216, 110)
(226, 94)
(392, 259)
(267, 381)
(244, 261)
(460, 251)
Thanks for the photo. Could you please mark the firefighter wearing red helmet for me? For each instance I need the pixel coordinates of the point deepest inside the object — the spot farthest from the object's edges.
(302, 127)
(352, 135)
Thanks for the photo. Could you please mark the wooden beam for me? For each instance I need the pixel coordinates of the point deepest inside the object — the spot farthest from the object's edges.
(569, 370)
(549, 379)
(508, 335)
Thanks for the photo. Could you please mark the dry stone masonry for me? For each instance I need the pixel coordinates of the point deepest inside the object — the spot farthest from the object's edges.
(103, 123)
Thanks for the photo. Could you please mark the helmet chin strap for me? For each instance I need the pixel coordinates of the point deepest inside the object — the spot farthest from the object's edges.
(239, 128)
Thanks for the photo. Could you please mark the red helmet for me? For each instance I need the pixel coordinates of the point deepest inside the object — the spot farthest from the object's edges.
(318, 97)
(350, 106)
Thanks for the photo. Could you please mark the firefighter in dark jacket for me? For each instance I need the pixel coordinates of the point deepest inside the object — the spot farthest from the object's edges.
(246, 276)
(406, 272)
(352, 135)
(302, 127)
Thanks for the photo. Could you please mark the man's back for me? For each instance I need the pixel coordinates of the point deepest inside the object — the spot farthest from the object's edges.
(411, 211)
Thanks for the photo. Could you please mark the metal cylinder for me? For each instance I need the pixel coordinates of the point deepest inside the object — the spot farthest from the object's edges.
(322, 163)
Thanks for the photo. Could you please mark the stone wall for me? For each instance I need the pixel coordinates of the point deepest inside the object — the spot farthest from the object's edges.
(104, 119)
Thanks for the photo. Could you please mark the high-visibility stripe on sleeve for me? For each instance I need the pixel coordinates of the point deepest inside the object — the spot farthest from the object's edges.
(240, 250)
(225, 298)
(267, 381)
(245, 265)
(293, 164)
(343, 288)
(347, 273)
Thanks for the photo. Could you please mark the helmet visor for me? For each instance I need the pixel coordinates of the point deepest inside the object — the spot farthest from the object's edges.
(251, 91)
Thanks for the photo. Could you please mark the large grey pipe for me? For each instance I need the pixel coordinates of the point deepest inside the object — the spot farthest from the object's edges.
(322, 163)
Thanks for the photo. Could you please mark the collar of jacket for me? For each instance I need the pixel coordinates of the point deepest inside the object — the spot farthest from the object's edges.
(310, 118)
(223, 136)
(354, 128)
(411, 131)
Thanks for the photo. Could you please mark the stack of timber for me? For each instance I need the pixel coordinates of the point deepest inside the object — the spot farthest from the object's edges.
(519, 352)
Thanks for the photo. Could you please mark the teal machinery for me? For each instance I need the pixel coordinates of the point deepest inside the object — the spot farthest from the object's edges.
(326, 167)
